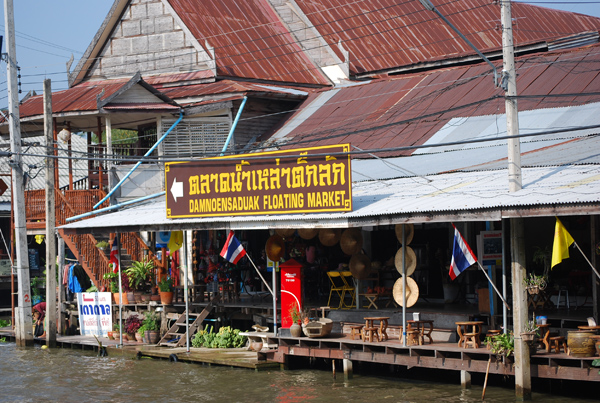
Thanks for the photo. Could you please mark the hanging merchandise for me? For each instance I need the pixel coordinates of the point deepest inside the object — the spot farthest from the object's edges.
(176, 241)
(39, 239)
(162, 239)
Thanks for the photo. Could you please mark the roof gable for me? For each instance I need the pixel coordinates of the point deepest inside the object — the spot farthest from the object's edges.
(146, 36)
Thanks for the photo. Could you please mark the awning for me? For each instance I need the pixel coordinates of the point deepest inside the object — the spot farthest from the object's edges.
(458, 196)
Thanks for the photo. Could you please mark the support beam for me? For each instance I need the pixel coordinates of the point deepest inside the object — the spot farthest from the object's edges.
(347, 369)
(465, 379)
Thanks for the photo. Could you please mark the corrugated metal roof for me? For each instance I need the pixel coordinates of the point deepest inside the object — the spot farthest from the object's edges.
(387, 34)
(408, 110)
(249, 40)
(413, 199)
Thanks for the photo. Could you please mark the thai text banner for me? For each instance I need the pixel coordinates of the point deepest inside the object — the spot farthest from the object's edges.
(307, 180)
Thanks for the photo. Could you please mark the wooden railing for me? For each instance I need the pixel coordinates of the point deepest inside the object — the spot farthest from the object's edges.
(70, 203)
(136, 248)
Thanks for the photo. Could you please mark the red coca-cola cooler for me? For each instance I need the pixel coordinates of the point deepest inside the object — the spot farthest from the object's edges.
(291, 289)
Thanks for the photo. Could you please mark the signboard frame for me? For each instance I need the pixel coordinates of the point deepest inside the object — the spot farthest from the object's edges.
(295, 181)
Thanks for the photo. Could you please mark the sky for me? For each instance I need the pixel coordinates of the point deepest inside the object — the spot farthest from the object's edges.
(49, 31)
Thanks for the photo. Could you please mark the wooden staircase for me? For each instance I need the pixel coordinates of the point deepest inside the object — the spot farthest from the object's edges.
(70, 203)
(176, 335)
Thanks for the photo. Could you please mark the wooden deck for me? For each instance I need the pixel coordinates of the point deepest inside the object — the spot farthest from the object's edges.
(445, 356)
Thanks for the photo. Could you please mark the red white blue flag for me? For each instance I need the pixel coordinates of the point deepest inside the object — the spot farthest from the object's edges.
(233, 249)
(462, 256)
(114, 256)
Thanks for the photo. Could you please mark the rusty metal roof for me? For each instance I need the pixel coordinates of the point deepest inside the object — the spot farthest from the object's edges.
(385, 34)
(249, 40)
(408, 110)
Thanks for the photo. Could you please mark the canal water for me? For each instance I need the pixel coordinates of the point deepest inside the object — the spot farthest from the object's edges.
(63, 375)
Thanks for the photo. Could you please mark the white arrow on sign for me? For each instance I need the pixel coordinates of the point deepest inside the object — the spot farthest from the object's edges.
(177, 189)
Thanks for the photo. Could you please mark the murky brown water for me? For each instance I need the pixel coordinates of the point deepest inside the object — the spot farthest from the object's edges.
(61, 375)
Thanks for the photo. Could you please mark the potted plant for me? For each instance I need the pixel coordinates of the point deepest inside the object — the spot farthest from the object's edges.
(113, 286)
(132, 324)
(117, 332)
(530, 332)
(103, 245)
(502, 344)
(165, 289)
(38, 284)
(151, 327)
(295, 329)
(140, 275)
(534, 283)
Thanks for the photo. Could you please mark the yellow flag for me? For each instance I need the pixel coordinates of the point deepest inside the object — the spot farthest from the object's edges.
(176, 240)
(562, 241)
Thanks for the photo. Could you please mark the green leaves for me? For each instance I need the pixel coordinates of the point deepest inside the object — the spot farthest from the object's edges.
(226, 337)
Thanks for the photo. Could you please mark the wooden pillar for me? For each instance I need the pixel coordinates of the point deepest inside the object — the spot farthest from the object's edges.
(465, 379)
(60, 323)
(520, 315)
(347, 369)
(99, 133)
(595, 281)
(70, 161)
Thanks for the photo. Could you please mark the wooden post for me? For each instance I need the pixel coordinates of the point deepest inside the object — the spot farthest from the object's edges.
(520, 316)
(60, 322)
(465, 379)
(50, 220)
(347, 369)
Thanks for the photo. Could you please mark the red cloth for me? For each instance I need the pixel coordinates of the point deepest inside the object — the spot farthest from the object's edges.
(175, 267)
(41, 308)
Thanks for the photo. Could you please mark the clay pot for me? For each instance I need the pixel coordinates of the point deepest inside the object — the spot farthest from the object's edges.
(152, 336)
(581, 344)
(139, 338)
(166, 297)
(296, 330)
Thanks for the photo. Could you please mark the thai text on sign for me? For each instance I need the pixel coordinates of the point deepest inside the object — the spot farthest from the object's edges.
(306, 180)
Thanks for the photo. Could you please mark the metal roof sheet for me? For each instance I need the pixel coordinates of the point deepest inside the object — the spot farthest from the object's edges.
(249, 40)
(412, 199)
(387, 34)
(408, 110)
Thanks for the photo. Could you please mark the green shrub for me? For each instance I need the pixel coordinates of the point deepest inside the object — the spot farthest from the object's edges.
(226, 337)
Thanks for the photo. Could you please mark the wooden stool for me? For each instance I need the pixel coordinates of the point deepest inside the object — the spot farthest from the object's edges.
(356, 330)
(471, 339)
(369, 332)
(413, 337)
(556, 342)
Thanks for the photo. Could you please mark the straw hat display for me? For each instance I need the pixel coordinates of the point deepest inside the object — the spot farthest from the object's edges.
(411, 260)
(285, 232)
(275, 248)
(330, 236)
(360, 266)
(351, 241)
(308, 233)
(412, 293)
(409, 229)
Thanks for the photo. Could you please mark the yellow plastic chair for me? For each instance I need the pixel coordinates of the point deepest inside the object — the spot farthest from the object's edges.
(348, 289)
(338, 286)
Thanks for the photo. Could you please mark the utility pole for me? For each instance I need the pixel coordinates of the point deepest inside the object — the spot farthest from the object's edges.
(50, 219)
(23, 321)
(517, 226)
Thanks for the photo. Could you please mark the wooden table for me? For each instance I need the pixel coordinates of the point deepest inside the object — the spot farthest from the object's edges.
(545, 335)
(593, 328)
(467, 327)
(383, 325)
(420, 326)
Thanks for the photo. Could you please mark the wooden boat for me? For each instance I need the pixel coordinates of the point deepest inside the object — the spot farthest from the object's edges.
(319, 328)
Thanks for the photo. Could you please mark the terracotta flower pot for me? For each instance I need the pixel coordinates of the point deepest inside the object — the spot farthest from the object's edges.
(139, 338)
(166, 297)
(152, 336)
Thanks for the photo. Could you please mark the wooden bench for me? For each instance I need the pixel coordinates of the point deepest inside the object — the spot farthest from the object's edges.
(356, 330)
(471, 340)
(368, 333)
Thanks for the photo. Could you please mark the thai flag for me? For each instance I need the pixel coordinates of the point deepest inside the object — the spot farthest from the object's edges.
(114, 256)
(233, 249)
(462, 256)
